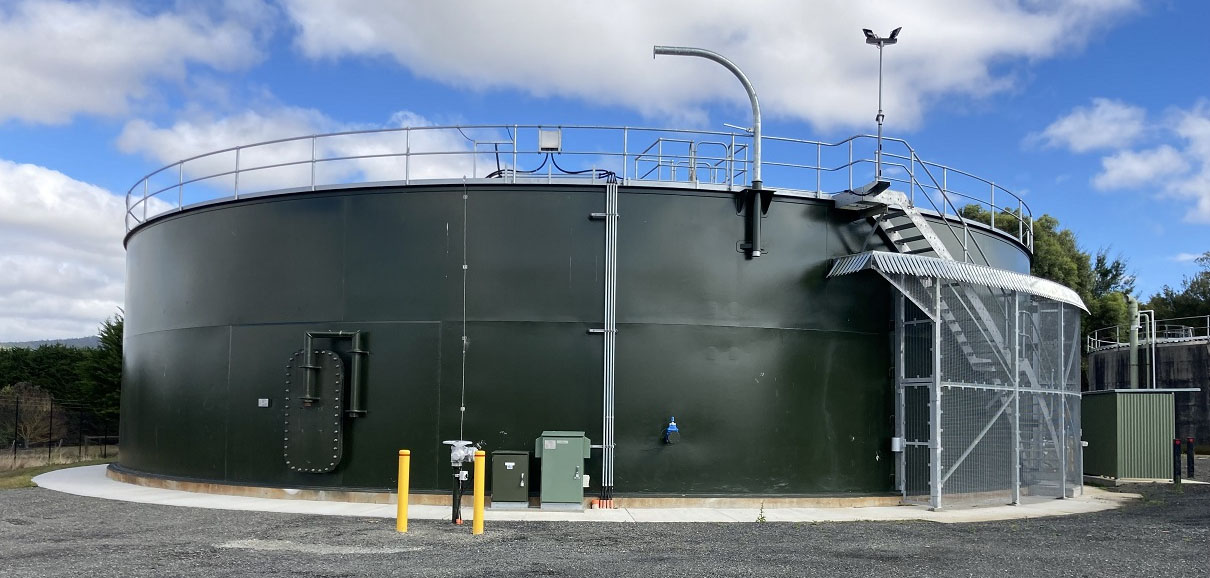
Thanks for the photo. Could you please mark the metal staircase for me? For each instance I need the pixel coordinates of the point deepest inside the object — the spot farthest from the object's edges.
(905, 229)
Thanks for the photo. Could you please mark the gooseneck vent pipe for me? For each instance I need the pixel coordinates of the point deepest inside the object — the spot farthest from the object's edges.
(756, 199)
(711, 55)
(359, 352)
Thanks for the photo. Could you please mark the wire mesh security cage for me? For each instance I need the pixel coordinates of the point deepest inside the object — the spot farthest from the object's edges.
(987, 383)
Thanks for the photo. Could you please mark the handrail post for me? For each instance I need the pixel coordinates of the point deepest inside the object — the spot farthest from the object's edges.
(144, 200)
(313, 168)
(818, 167)
(516, 137)
(993, 204)
(236, 191)
(850, 164)
(945, 180)
(180, 186)
(1020, 222)
(407, 155)
(659, 155)
(731, 164)
(625, 152)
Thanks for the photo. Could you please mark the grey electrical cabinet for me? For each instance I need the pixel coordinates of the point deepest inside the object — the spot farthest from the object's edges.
(510, 478)
(563, 454)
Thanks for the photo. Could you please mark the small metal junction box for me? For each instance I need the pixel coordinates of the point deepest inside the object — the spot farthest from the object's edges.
(510, 478)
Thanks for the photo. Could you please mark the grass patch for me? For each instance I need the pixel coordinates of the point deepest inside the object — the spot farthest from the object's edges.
(22, 478)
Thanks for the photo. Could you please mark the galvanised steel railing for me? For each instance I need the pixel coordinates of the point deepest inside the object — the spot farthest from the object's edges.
(518, 153)
(1175, 329)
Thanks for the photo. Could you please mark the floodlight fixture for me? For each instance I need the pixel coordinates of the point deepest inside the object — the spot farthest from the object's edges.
(876, 40)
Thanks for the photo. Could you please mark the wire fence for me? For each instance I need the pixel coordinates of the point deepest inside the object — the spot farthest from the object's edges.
(38, 430)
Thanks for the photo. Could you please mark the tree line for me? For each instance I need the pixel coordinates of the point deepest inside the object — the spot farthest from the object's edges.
(88, 378)
(1102, 280)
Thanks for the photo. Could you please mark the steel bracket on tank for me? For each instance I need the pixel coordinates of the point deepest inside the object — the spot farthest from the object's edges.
(754, 203)
(357, 382)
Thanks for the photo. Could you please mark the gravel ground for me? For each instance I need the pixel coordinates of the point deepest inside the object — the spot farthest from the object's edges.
(44, 533)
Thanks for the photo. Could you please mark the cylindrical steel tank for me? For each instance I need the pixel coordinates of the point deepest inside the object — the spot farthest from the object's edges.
(780, 380)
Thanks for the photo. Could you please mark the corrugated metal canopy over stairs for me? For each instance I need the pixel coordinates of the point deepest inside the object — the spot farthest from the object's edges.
(922, 266)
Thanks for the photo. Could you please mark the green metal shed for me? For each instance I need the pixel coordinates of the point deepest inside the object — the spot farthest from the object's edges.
(1129, 432)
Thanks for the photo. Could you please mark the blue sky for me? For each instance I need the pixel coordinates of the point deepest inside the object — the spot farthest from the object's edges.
(1095, 111)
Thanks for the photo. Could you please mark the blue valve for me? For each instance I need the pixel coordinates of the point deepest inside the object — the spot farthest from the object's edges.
(672, 434)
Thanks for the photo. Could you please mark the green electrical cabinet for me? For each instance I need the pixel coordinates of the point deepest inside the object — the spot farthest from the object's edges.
(1129, 433)
(510, 478)
(563, 454)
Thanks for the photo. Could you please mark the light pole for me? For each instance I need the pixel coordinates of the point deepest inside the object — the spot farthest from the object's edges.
(876, 40)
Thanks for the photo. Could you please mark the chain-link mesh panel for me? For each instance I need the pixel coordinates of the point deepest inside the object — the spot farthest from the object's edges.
(916, 437)
(916, 474)
(920, 294)
(1074, 462)
(1043, 446)
(1071, 341)
(977, 454)
(975, 347)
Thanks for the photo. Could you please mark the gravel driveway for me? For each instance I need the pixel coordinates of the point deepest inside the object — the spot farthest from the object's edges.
(44, 533)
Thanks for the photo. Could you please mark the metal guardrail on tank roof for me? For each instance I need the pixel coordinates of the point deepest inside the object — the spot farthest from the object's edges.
(1166, 330)
(544, 153)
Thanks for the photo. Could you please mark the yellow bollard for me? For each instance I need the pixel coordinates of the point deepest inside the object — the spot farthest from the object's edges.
(401, 511)
(480, 466)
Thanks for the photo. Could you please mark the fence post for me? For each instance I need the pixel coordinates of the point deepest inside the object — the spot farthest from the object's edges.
(79, 434)
(1176, 461)
(16, 425)
(104, 439)
(50, 430)
(1189, 456)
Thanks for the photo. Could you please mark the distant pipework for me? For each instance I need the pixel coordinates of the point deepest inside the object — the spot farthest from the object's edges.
(1134, 341)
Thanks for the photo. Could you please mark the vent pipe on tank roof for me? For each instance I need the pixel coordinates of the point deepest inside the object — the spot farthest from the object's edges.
(755, 199)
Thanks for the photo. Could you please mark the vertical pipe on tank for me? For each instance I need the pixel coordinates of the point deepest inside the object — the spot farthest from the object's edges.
(1149, 314)
(609, 346)
(1134, 341)
(310, 368)
(360, 351)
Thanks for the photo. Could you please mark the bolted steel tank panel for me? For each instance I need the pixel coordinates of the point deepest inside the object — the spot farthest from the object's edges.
(780, 379)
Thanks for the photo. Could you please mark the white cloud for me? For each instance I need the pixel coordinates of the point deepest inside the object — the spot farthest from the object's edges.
(1178, 169)
(1193, 126)
(59, 59)
(61, 259)
(1107, 124)
(807, 60)
(1131, 169)
(1186, 257)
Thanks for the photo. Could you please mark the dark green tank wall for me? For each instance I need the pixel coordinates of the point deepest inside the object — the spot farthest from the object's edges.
(779, 378)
